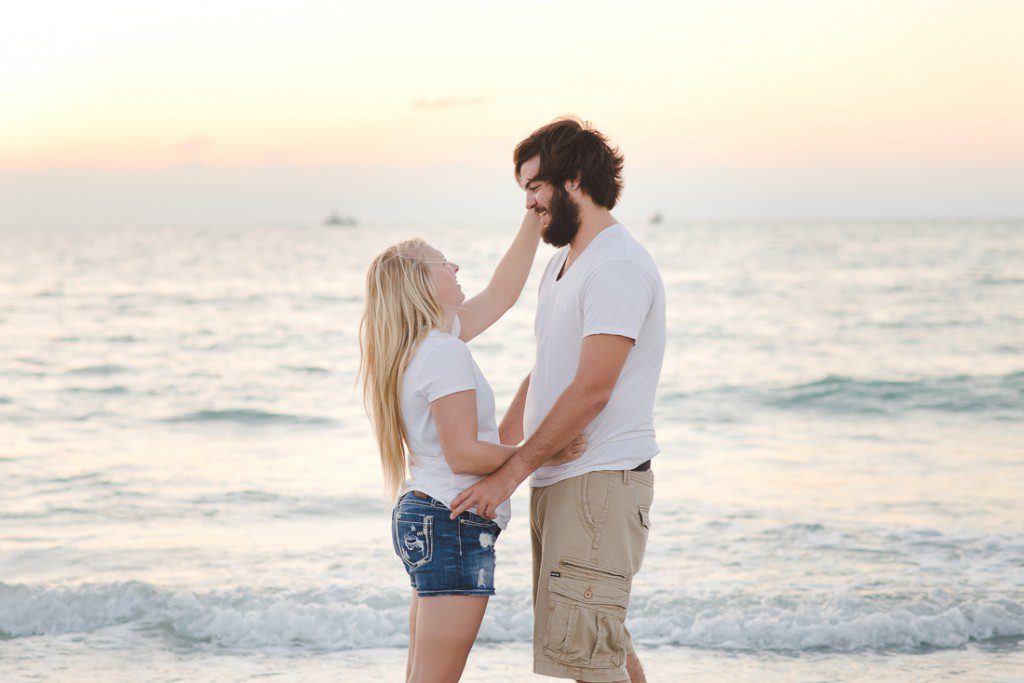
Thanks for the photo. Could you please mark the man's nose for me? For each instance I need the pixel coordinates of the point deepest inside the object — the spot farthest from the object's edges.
(531, 200)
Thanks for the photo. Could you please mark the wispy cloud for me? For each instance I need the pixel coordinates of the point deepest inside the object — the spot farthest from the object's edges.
(193, 144)
(450, 102)
(274, 156)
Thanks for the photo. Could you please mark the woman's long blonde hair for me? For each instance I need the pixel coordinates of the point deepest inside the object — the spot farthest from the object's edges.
(401, 309)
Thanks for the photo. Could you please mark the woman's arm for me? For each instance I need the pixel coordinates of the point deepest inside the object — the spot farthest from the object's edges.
(502, 292)
(455, 418)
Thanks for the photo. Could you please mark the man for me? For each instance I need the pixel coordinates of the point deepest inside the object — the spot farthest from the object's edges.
(600, 331)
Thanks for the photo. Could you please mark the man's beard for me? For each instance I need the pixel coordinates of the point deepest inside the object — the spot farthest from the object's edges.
(563, 219)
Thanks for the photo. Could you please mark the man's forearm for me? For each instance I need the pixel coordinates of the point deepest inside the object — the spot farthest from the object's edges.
(573, 411)
(511, 429)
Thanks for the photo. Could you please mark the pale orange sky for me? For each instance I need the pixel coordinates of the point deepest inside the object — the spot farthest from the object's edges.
(113, 84)
(749, 86)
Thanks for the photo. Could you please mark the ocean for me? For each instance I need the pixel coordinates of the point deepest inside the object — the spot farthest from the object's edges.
(190, 489)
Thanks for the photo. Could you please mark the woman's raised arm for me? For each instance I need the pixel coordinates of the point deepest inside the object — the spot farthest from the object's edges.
(502, 292)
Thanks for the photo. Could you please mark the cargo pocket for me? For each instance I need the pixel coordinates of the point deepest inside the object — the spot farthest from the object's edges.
(413, 537)
(586, 612)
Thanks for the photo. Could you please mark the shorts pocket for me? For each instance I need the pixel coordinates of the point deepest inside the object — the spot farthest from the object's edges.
(413, 537)
(645, 517)
(469, 519)
(586, 616)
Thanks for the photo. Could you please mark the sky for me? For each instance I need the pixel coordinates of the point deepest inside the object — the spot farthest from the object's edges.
(277, 112)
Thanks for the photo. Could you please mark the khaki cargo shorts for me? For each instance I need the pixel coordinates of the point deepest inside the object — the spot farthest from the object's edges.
(589, 534)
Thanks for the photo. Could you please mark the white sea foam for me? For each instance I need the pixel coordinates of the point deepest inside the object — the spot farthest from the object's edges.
(345, 619)
(339, 619)
(838, 623)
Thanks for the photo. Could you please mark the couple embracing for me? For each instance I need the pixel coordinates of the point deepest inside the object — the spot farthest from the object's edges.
(580, 426)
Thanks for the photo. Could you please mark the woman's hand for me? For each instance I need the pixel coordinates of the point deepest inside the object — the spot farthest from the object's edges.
(571, 452)
(532, 221)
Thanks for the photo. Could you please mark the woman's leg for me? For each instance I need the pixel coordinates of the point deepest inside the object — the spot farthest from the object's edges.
(412, 635)
(446, 627)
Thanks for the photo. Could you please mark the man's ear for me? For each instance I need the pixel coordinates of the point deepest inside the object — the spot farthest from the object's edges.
(571, 185)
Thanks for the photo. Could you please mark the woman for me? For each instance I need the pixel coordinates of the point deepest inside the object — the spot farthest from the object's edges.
(433, 411)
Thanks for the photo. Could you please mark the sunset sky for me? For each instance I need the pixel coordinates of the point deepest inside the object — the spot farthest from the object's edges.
(196, 111)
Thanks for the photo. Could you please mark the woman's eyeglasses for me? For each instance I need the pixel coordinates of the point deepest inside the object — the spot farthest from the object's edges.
(445, 264)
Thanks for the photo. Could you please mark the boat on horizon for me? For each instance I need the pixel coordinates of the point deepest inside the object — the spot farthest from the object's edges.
(337, 220)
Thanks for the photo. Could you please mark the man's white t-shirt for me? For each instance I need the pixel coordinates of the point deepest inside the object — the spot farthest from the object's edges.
(613, 287)
(441, 366)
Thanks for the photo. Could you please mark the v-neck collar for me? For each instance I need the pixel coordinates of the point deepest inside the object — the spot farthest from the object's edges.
(563, 272)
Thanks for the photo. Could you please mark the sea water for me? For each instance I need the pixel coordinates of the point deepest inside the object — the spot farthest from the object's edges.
(189, 489)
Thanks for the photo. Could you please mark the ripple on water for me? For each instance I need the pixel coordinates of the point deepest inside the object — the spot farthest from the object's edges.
(99, 370)
(115, 390)
(249, 417)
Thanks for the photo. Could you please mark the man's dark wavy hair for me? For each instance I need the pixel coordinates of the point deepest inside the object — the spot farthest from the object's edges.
(570, 148)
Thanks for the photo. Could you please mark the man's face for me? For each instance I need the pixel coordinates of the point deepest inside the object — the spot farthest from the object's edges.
(559, 213)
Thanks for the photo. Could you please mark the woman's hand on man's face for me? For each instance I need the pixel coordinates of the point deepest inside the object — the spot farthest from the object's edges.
(533, 220)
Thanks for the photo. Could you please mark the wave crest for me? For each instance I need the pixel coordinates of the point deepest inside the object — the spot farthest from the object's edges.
(249, 417)
(960, 393)
(351, 618)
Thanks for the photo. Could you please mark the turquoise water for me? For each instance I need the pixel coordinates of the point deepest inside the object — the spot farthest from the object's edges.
(191, 489)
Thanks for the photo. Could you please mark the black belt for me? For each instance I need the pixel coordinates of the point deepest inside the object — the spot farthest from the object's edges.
(642, 467)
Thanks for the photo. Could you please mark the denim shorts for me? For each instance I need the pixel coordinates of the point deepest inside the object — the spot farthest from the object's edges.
(441, 555)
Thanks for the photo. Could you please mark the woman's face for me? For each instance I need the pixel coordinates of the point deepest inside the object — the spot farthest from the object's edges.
(444, 274)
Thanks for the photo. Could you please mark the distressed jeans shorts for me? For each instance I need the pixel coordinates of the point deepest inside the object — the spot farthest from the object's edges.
(441, 555)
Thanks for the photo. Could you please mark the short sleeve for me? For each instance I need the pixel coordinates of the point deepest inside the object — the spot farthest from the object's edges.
(447, 369)
(616, 300)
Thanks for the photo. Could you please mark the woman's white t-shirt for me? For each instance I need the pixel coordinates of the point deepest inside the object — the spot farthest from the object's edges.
(442, 366)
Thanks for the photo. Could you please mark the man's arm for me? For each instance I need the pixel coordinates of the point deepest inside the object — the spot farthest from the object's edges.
(601, 361)
(511, 429)
(455, 418)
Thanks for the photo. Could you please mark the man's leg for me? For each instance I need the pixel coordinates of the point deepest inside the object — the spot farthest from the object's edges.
(636, 672)
(633, 667)
(592, 534)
